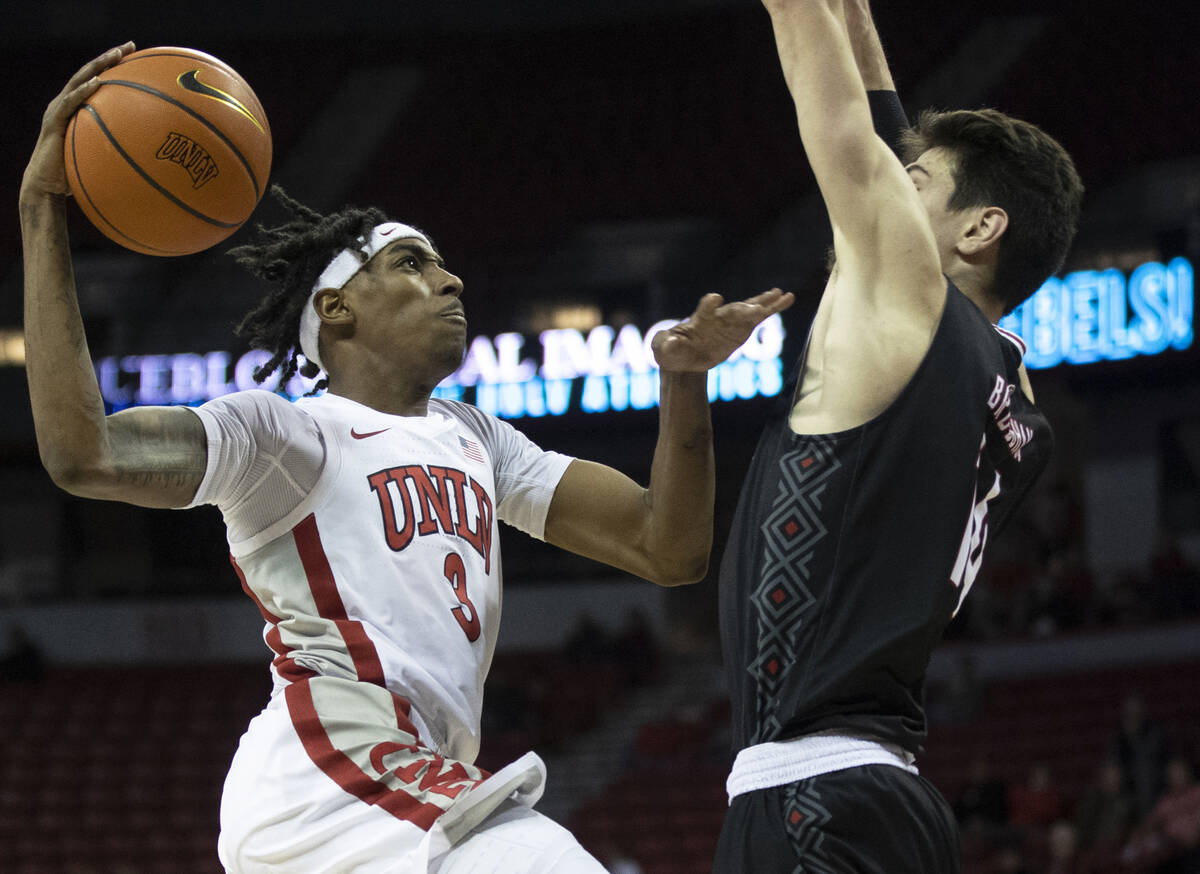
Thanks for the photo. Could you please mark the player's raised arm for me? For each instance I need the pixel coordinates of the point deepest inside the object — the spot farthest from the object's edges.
(663, 533)
(153, 456)
(877, 219)
(869, 56)
(887, 113)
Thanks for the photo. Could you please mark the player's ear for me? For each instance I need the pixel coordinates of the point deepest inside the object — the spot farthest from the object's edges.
(332, 307)
(984, 232)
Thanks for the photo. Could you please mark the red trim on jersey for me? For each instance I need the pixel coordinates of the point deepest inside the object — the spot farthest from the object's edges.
(329, 601)
(1016, 339)
(341, 768)
(285, 666)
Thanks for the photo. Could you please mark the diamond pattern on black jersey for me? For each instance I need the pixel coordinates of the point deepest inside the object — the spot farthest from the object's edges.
(805, 819)
(791, 533)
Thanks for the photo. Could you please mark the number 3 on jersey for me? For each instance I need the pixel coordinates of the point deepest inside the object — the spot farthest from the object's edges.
(465, 612)
(970, 551)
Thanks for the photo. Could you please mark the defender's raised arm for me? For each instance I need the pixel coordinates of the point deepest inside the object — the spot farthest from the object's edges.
(876, 216)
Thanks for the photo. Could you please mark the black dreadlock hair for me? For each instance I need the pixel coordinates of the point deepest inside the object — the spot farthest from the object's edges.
(291, 256)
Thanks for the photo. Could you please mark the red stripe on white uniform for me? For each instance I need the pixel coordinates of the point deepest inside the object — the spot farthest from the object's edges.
(285, 666)
(341, 768)
(329, 604)
(329, 601)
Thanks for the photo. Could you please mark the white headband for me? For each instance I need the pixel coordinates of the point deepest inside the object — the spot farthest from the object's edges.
(341, 270)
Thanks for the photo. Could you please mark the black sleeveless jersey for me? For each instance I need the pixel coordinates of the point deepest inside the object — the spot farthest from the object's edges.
(850, 552)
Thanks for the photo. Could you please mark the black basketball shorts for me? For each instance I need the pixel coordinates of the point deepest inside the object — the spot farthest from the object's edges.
(872, 819)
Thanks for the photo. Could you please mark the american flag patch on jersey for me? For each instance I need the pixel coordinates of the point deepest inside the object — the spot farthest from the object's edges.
(470, 449)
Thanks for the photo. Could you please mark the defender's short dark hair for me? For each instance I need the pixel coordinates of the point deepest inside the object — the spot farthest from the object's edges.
(290, 257)
(1003, 161)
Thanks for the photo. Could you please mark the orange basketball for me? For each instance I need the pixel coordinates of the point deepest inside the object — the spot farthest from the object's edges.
(170, 154)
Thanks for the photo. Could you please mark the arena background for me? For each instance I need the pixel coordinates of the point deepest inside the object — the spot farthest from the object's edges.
(584, 164)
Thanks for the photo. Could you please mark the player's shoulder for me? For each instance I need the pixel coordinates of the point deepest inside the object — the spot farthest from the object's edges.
(466, 414)
(257, 409)
(245, 397)
(501, 437)
(248, 401)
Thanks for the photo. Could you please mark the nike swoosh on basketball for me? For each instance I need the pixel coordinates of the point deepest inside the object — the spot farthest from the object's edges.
(189, 82)
(358, 436)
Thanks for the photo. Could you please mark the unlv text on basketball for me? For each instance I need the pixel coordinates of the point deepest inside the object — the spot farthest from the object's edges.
(189, 155)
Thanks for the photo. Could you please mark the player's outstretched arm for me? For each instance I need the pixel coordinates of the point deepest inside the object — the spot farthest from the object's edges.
(878, 222)
(869, 57)
(887, 113)
(664, 532)
(153, 456)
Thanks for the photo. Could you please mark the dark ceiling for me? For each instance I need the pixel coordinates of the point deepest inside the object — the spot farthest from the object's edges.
(533, 124)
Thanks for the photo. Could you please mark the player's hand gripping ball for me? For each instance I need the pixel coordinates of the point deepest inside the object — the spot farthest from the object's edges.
(170, 155)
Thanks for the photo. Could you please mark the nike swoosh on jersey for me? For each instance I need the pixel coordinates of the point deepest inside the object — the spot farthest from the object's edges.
(358, 436)
(189, 82)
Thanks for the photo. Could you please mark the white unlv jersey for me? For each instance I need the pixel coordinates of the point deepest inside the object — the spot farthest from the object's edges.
(369, 543)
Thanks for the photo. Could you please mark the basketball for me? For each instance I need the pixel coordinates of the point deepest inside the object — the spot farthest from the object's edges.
(170, 155)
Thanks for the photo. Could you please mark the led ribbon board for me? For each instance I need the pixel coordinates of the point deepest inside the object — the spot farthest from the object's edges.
(606, 370)
(1084, 317)
(1099, 315)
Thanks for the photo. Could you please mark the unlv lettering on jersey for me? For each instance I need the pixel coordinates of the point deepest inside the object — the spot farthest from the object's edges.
(425, 766)
(415, 500)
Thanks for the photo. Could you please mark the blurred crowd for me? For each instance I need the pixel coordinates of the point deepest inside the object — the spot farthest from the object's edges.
(1037, 581)
(1139, 815)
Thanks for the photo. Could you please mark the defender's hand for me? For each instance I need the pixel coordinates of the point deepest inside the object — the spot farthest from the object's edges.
(46, 173)
(715, 330)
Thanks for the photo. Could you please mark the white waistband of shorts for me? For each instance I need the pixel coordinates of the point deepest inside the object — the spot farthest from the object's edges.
(781, 762)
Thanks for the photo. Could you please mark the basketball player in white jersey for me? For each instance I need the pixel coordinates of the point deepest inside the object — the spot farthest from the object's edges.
(363, 525)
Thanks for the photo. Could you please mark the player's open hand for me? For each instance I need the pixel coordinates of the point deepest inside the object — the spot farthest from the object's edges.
(711, 334)
(46, 172)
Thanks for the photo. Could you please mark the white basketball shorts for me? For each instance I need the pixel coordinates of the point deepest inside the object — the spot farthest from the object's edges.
(283, 814)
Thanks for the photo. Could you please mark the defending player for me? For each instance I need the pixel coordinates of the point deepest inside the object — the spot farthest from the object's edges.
(911, 434)
(363, 522)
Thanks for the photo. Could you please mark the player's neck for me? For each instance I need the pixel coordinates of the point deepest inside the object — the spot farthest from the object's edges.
(396, 381)
(975, 284)
(399, 398)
